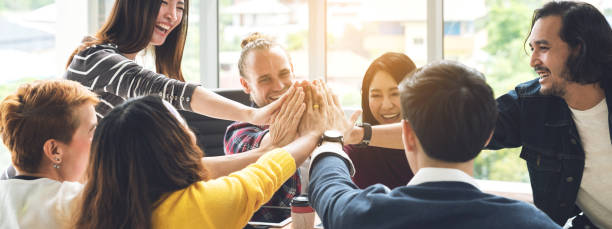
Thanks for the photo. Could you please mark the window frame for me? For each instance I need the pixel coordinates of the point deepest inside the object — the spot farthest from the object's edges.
(317, 42)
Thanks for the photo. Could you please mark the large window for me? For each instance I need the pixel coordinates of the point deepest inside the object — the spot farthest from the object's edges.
(284, 20)
(191, 54)
(359, 31)
(488, 35)
(28, 36)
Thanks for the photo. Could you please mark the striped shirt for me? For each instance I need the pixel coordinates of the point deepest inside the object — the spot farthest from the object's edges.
(116, 78)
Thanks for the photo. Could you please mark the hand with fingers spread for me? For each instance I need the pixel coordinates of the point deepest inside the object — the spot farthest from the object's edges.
(313, 120)
(335, 115)
(284, 127)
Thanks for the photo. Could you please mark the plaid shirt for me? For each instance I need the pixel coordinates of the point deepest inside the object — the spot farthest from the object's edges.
(241, 137)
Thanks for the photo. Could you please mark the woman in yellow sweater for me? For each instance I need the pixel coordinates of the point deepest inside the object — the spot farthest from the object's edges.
(146, 171)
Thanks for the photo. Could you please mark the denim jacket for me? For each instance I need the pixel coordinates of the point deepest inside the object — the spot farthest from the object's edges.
(544, 127)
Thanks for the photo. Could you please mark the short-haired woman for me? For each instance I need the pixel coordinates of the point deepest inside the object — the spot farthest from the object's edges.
(47, 126)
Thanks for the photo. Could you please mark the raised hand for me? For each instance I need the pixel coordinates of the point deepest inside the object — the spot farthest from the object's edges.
(335, 115)
(285, 125)
(266, 114)
(314, 118)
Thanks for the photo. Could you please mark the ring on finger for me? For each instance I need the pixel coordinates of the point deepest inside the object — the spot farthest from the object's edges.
(316, 106)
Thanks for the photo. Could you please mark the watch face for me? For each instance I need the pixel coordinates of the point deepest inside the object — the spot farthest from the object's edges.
(332, 134)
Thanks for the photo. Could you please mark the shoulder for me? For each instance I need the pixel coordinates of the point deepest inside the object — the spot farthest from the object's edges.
(94, 55)
(64, 192)
(24, 187)
(527, 91)
(461, 196)
(523, 214)
(42, 190)
(101, 49)
(513, 211)
(244, 128)
(529, 88)
(42, 202)
(71, 188)
(241, 136)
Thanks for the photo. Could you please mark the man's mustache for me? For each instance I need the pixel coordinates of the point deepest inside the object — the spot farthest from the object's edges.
(541, 68)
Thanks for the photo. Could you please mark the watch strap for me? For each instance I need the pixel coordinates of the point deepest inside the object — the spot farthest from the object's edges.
(367, 133)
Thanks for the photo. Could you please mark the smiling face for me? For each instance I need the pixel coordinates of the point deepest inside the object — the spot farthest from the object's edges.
(384, 98)
(549, 55)
(268, 74)
(170, 15)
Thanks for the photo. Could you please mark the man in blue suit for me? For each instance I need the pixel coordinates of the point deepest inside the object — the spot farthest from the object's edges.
(449, 114)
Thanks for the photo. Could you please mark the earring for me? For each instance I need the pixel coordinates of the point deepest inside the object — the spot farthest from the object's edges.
(57, 166)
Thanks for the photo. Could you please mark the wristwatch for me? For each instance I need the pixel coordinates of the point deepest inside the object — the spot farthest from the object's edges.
(367, 133)
(327, 146)
(332, 136)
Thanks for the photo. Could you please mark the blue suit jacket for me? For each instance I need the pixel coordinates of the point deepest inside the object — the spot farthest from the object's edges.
(341, 204)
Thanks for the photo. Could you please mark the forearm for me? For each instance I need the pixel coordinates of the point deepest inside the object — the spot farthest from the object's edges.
(206, 102)
(224, 165)
(386, 136)
(302, 147)
(331, 189)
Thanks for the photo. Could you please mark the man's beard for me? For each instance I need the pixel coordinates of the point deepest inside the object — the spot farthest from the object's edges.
(558, 88)
(256, 102)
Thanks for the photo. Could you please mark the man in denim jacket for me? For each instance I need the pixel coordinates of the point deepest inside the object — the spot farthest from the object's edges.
(562, 119)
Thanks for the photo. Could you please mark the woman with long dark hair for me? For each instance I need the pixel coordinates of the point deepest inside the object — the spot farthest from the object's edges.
(105, 62)
(380, 103)
(146, 171)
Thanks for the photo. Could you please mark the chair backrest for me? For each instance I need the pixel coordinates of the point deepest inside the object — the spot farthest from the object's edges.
(210, 131)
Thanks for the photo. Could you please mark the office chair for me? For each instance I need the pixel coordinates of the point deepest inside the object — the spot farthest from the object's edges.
(210, 131)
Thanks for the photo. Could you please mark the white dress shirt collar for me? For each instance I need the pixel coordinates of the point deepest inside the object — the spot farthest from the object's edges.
(441, 174)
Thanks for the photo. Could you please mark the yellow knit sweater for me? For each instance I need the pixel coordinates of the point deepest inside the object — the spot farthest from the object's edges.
(226, 202)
